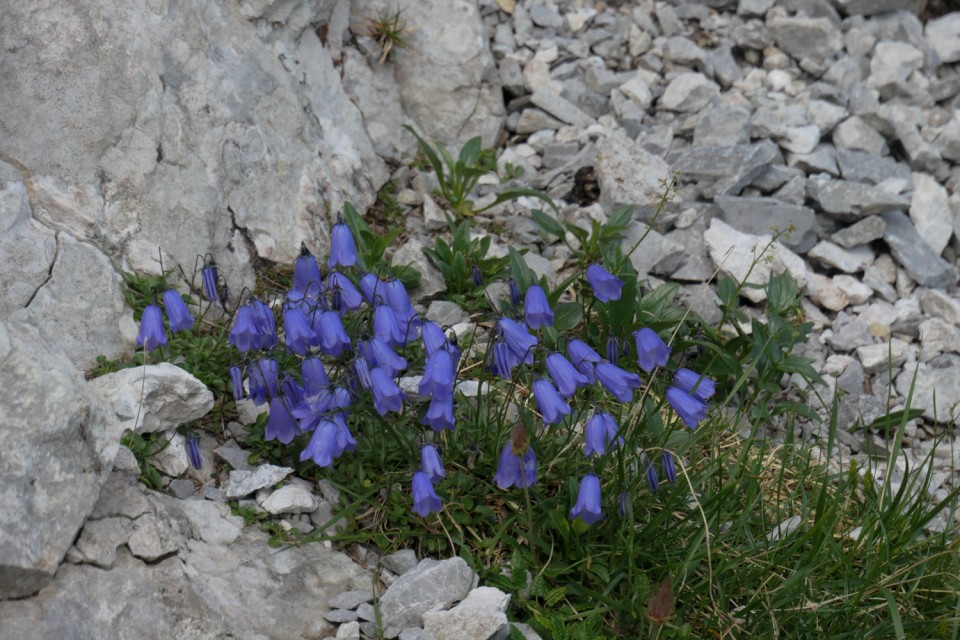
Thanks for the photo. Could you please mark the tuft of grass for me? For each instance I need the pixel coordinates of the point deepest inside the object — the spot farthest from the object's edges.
(390, 31)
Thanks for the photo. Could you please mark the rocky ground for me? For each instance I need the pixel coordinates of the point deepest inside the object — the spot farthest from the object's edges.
(836, 119)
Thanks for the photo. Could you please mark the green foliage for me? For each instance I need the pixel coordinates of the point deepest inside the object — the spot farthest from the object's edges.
(145, 446)
(600, 242)
(390, 32)
(456, 260)
(459, 177)
(371, 247)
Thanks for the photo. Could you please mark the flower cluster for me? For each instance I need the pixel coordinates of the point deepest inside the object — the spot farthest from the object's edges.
(152, 332)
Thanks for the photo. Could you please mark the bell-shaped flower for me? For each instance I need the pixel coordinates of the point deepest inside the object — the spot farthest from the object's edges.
(518, 340)
(377, 354)
(152, 333)
(387, 396)
(690, 409)
(583, 358)
(601, 432)
(193, 451)
(431, 464)
(281, 424)
(211, 278)
(177, 313)
(700, 387)
(333, 337)
(350, 296)
(477, 276)
(552, 407)
(313, 375)
(587, 506)
(536, 308)
(605, 285)
(516, 469)
(345, 439)
(669, 470)
(651, 474)
(244, 334)
(617, 381)
(514, 290)
(343, 249)
(439, 414)
(407, 319)
(372, 288)
(613, 349)
(236, 382)
(362, 369)
(438, 375)
(565, 375)
(500, 360)
(651, 350)
(341, 398)
(266, 324)
(425, 499)
(386, 327)
(323, 447)
(306, 272)
(263, 380)
(297, 334)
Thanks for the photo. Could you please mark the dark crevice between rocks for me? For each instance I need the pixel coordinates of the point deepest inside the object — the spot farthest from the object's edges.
(53, 263)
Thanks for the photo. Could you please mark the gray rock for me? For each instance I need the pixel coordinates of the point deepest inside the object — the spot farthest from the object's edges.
(861, 232)
(339, 616)
(937, 389)
(941, 305)
(930, 212)
(862, 166)
(802, 38)
(533, 120)
(655, 254)
(446, 313)
(431, 280)
(849, 333)
(685, 52)
(944, 37)
(948, 140)
(913, 253)
(873, 7)
(153, 538)
(560, 108)
(243, 483)
(628, 174)
(726, 71)
(154, 397)
(689, 92)
(891, 65)
(481, 616)
(348, 631)
(849, 200)
(826, 115)
(754, 7)
(366, 611)
(723, 124)
(702, 299)
(350, 599)
(855, 134)
(880, 357)
(823, 159)
(401, 561)
(172, 460)
(234, 456)
(432, 586)
(725, 170)
(846, 260)
(182, 488)
(544, 16)
(56, 451)
(767, 215)
(936, 337)
(98, 542)
(416, 633)
(291, 498)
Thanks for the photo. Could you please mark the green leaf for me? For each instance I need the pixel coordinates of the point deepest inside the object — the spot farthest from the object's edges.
(621, 217)
(470, 152)
(567, 316)
(521, 272)
(547, 223)
(513, 194)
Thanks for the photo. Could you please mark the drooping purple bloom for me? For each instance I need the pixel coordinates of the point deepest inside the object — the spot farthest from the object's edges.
(625, 510)
(290, 390)
(617, 381)
(281, 425)
(651, 473)
(341, 398)
(244, 335)
(345, 439)
(386, 327)
(387, 396)
(371, 287)
(439, 414)
(565, 375)
(432, 336)
(605, 285)
(177, 313)
(210, 277)
(323, 447)
(313, 375)
(516, 469)
(601, 432)
(438, 375)
(514, 290)
(518, 340)
(700, 387)
(669, 470)
(690, 409)
(377, 354)
(651, 350)
(552, 407)
(425, 499)
(398, 300)
(262, 380)
(477, 276)
(583, 358)
(431, 464)
(297, 334)
(306, 272)
(333, 337)
(350, 296)
(587, 506)
(152, 333)
(500, 360)
(266, 324)
(236, 382)
(536, 308)
(343, 249)
(613, 349)
(193, 451)
(362, 369)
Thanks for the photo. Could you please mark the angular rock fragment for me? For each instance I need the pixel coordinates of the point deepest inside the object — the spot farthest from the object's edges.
(767, 215)
(725, 170)
(914, 254)
(850, 200)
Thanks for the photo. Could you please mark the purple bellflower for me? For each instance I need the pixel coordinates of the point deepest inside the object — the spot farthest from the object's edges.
(690, 409)
(583, 358)
(565, 375)
(152, 334)
(601, 432)
(669, 470)
(613, 349)
(514, 290)
(552, 407)
(588, 500)
(387, 396)
(343, 250)
(425, 499)
(313, 375)
(193, 451)
(266, 324)
(262, 380)
(333, 337)
(244, 335)
(438, 375)
(500, 360)
(377, 354)
(306, 272)
(536, 308)
(439, 414)
(617, 381)
(371, 287)
(345, 439)
(605, 285)
(362, 369)
(386, 327)
(349, 294)
(433, 338)
(518, 462)
(518, 340)
(297, 333)
(431, 464)
(236, 382)
(210, 277)
(651, 473)
(177, 313)
(700, 387)
(477, 276)
(323, 447)
(281, 425)
(651, 350)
